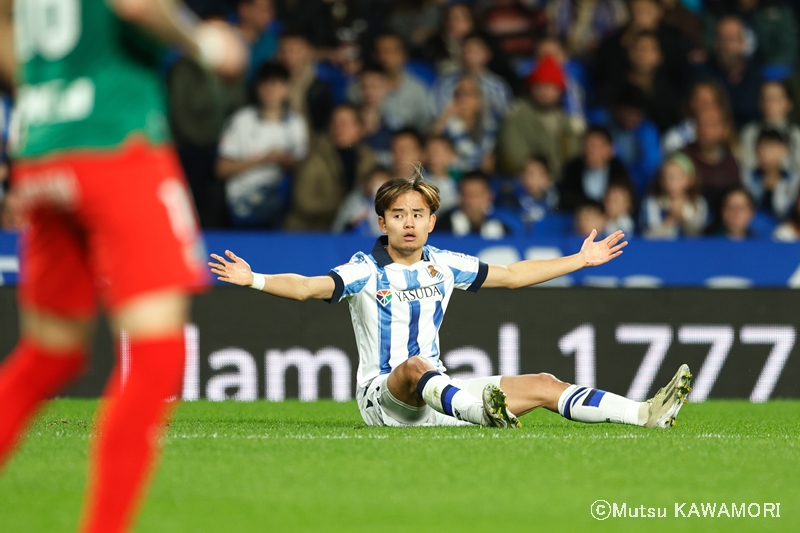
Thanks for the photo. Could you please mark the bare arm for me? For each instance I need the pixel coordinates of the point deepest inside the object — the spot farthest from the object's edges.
(169, 20)
(527, 273)
(7, 63)
(227, 168)
(291, 286)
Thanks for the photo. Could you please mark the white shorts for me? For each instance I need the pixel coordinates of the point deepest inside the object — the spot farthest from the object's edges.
(379, 407)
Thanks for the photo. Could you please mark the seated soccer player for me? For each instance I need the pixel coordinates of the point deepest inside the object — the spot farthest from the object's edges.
(398, 295)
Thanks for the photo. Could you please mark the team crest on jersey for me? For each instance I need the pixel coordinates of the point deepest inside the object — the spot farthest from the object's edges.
(434, 273)
(384, 296)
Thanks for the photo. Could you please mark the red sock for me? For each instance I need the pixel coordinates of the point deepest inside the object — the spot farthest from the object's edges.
(129, 427)
(28, 377)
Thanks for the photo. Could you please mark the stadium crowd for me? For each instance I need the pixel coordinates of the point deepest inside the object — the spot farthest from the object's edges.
(663, 118)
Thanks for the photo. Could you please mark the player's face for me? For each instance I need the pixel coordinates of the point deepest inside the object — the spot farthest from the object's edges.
(407, 223)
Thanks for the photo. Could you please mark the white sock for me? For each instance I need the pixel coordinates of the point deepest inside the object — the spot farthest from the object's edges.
(585, 404)
(438, 392)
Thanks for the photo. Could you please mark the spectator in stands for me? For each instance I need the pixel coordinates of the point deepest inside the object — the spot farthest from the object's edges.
(703, 95)
(736, 215)
(200, 103)
(636, 139)
(793, 86)
(619, 204)
(611, 60)
(771, 183)
(590, 215)
(533, 196)
(476, 214)
(415, 21)
(474, 64)
(259, 146)
(256, 26)
(407, 100)
(445, 48)
(336, 164)
(470, 126)
(675, 206)
(681, 19)
(309, 96)
(647, 72)
(583, 24)
(441, 169)
(789, 231)
(539, 124)
(378, 123)
(588, 176)
(775, 104)
(740, 76)
(357, 213)
(713, 157)
(771, 28)
(574, 100)
(324, 21)
(407, 152)
(516, 27)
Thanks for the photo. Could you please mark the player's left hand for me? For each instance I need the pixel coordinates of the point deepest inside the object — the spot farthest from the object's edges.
(600, 252)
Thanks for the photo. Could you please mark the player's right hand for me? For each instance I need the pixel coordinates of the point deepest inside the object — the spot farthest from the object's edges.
(238, 272)
(222, 49)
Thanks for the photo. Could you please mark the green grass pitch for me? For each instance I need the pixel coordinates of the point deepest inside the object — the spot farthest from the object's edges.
(315, 467)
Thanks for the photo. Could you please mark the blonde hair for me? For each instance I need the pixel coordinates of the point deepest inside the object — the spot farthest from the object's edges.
(394, 188)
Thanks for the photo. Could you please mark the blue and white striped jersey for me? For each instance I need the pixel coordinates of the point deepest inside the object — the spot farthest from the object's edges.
(396, 309)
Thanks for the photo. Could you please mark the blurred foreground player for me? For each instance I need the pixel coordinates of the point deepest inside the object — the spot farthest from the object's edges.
(398, 295)
(102, 194)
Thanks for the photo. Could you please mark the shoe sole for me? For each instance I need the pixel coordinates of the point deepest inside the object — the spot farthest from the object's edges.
(681, 381)
(497, 408)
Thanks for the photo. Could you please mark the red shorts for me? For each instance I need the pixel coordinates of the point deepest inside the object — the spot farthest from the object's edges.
(105, 226)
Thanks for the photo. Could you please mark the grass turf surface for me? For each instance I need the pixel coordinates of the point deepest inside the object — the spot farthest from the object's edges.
(296, 467)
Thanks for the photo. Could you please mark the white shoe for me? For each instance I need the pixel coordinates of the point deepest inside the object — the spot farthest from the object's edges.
(495, 408)
(664, 406)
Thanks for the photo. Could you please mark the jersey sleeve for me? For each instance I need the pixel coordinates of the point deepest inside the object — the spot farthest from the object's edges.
(469, 272)
(350, 277)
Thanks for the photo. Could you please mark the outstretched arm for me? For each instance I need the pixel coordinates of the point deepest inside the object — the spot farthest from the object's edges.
(292, 286)
(214, 44)
(526, 273)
